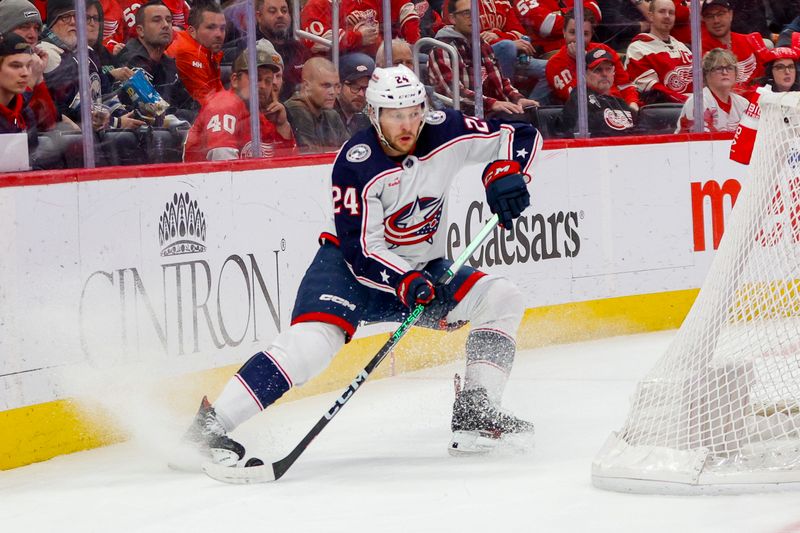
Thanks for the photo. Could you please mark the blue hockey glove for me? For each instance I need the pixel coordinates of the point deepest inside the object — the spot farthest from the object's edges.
(415, 287)
(506, 190)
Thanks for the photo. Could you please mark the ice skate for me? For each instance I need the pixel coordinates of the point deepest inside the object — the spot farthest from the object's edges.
(479, 425)
(206, 440)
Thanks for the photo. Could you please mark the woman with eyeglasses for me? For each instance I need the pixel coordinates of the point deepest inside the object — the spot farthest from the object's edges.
(722, 108)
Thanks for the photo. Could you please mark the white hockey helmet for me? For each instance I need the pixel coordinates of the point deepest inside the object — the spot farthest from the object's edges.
(393, 87)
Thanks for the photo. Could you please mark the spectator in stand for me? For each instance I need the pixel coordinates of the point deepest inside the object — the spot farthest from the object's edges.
(402, 54)
(544, 20)
(16, 58)
(430, 19)
(780, 65)
(113, 26)
(109, 66)
(500, 27)
(722, 108)
(154, 33)
(60, 41)
(355, 71)
(22, 18)
(609, 115)
(561, 67)
(716, 32)
(360, 23)
(660, 65)
(317, 127)
(274, 23)
(198, 50)
(499, 96)
(222, 129)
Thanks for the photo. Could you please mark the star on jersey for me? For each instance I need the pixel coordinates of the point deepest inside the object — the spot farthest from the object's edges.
(522, 152)
(414, 223)
(384, 276)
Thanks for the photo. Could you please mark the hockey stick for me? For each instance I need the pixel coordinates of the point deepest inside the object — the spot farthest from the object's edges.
(271, 472)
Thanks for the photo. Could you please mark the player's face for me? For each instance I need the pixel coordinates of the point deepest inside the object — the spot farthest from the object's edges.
(322, 88)
(29, 31)
(353, 95)
(400, 128)
(92, 24)
(784, 73)
(15, 73)
(211, 31)
(718, 20)
(274, 17)
(156, 28)
(601, 78)
(662, 16)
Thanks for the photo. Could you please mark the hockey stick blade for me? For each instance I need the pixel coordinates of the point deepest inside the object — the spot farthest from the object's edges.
(240, 475)
(271, 472)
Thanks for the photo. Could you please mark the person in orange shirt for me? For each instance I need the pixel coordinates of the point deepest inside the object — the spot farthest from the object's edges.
(198, 51)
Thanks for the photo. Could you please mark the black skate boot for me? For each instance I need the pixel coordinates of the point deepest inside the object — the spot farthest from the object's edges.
(207, 440)
(478, 424)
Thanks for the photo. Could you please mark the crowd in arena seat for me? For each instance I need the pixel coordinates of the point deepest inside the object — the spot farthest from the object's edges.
(171, 75)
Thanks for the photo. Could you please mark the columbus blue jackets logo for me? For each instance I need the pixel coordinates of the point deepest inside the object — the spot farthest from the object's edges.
(435, 117)
(414, 223)
(358, 153)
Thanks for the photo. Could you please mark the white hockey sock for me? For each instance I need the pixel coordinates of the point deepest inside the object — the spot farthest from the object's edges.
(235, 404)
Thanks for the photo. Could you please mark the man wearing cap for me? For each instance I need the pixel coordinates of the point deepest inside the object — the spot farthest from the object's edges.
(354, 70)
(222, 129)
(609, 115)
(147, 52)
(659, 64)
(22, 17)
(716, 32)
(316, 125)
(16, 116)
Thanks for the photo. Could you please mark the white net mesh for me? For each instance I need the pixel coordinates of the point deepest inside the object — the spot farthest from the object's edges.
(722, 406)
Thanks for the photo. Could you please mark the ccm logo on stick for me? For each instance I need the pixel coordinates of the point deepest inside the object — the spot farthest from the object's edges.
(337, 300)
(360, 378)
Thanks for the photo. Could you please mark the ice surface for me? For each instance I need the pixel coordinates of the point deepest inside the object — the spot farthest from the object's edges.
(382, 466)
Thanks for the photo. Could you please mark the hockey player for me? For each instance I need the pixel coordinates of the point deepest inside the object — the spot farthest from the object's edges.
(378, 258)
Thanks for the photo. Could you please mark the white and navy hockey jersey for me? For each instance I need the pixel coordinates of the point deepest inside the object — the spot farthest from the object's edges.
(388, 213)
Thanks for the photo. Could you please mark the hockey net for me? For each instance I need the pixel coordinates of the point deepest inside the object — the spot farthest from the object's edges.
(720, 412)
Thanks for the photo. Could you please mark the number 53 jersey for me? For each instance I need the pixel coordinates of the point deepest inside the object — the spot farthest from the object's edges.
(389, 213)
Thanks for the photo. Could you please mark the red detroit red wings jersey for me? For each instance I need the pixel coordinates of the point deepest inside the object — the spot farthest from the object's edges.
(389, 216)
(656, 65)
(224, 122)
(748, 66)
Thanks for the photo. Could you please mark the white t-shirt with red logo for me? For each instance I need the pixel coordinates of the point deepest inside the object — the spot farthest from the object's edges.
(717, 115)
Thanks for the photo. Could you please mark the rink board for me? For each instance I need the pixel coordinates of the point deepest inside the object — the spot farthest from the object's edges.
(166, 279)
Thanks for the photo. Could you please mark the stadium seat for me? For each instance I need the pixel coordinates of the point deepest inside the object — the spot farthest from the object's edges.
(547, 120)
(658, 118)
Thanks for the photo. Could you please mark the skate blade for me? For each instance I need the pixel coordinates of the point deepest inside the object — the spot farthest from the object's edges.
(239, 475)
(467, 443)
(188, 458)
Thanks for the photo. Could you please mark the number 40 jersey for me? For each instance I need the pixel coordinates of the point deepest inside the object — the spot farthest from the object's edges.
(389, 213)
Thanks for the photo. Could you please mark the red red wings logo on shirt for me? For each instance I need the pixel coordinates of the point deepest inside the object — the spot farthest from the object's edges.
(414, 223)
